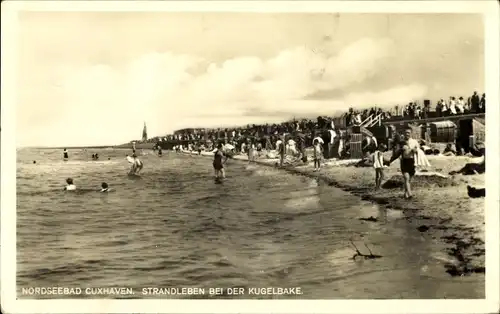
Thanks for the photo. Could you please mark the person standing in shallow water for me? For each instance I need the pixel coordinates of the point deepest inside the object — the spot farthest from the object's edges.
(250, 151)
(407, 150)
(65, 154)
(218, 164)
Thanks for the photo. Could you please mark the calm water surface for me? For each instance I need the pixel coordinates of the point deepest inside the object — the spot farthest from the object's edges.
(173, 227)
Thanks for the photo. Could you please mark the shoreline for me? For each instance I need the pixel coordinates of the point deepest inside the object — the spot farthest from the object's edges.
(441, 209)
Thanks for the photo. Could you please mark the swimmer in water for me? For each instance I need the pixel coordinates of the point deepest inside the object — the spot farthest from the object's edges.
(65, 154)
(70, 186)
(218, 163)
(104, 187)
(34, 161)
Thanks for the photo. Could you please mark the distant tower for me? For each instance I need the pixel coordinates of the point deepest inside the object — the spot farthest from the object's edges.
(144, 133)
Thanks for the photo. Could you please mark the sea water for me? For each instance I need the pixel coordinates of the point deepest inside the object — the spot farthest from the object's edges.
(172, 227)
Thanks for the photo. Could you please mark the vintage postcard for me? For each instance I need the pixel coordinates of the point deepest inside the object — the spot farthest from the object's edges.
(250, 157)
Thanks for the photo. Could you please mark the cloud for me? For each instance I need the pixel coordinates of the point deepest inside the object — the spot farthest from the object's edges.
(106, 104)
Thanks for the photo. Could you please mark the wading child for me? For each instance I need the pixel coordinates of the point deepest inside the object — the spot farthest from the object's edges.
(69, 185)
(378, 164)
(317, 153)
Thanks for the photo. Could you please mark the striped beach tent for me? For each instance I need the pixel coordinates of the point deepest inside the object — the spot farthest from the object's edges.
(355, 144)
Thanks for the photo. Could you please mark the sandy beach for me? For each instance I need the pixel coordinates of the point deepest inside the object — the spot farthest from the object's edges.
(441, 209)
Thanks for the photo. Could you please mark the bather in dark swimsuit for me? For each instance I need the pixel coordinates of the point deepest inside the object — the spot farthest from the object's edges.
(408, 166)
(218, 160)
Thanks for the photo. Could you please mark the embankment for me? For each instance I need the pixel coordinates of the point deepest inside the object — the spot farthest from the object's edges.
(440, 209)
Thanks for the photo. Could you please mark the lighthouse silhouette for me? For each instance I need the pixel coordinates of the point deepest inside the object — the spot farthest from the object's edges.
(144, 133)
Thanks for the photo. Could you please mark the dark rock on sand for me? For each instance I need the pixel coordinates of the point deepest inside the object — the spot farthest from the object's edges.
(471, 169)
(450, 238)
(424, 217)
(371, 218)
(461, 270)
(445, 220)
(475, 193)
(423, 228)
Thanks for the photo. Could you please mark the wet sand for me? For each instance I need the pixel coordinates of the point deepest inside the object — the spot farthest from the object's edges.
(440, 209)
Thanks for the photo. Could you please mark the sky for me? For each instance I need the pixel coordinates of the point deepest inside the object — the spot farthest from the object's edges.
(94, 78)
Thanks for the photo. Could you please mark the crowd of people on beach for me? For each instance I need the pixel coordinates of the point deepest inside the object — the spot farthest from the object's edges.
(267, 135)
(299, 134)
(291, 138)
(406, 149)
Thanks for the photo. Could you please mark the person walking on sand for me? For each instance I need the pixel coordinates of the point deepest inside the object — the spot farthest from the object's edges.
(406, 151)
(317, 153)
(378, 164)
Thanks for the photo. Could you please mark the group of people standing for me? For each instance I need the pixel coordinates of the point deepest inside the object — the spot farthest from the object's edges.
(407, 150)
(453, 106)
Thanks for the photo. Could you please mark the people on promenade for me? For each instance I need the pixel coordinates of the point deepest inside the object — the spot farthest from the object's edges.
(406, 151)
(475, 102)
(482, 103)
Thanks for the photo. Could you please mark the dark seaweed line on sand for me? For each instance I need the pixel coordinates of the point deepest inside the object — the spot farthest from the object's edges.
(463, 267)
